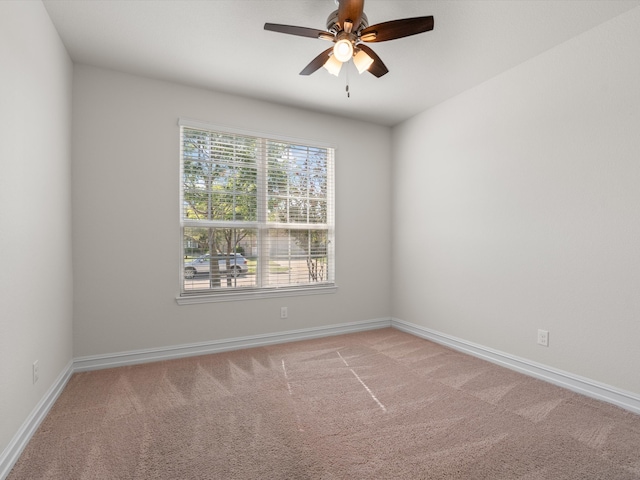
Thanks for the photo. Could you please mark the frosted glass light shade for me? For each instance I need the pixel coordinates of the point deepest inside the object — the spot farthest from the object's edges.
(333, 65)
(362, 61)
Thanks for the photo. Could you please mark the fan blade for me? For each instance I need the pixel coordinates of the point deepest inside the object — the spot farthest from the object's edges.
(350, 11)
(317, 62)
(396, 29)
(299, 31)
(377, 68)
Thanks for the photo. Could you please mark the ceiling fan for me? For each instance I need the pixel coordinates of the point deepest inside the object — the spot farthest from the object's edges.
(349, 30)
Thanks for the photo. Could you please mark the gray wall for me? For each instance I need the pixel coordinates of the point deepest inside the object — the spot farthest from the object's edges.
(517, 204)
(35, 210)
(519, 201)
(126, 223)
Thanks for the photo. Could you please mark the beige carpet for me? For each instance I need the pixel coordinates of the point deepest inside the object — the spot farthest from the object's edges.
(375, 405)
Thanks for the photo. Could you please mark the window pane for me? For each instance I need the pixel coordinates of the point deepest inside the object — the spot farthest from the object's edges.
(233, 265)
(297, 182)
(219, 176)
(297, 257)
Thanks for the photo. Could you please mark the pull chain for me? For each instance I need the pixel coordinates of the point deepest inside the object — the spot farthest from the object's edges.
(347, 87)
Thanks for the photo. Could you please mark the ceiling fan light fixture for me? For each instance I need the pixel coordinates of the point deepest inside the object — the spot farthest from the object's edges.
(333, 65)
(362, 61)
(343, 50)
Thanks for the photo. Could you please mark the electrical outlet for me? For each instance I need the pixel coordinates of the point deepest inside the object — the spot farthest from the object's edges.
(284, 312)
(36, 371)
(543, 338)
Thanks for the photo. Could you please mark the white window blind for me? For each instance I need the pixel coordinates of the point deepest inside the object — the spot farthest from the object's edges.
(256, 213)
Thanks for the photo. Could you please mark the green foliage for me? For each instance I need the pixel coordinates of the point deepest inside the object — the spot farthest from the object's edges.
(219, 176)
(297, 184)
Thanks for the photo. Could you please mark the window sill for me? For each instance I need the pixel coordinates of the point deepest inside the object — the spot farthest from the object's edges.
(255, 294)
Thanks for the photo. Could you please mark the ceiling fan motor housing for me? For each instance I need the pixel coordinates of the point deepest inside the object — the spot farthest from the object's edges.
(334, 27)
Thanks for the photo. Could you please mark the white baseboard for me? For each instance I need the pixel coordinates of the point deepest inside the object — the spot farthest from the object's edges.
(567, 380)
(12, 452)
(575, 383)
(95, 362)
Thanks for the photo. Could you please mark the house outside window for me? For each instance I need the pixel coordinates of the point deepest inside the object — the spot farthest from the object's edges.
(256, 215)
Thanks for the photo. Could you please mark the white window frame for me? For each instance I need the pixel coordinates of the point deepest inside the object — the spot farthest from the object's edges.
(245, 293)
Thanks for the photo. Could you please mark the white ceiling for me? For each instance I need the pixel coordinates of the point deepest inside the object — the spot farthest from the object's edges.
(221, 45)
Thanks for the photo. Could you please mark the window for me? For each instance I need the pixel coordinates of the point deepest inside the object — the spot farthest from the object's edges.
(256, 215)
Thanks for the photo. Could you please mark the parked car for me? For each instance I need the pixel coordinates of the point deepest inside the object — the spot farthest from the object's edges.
(237, 265)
